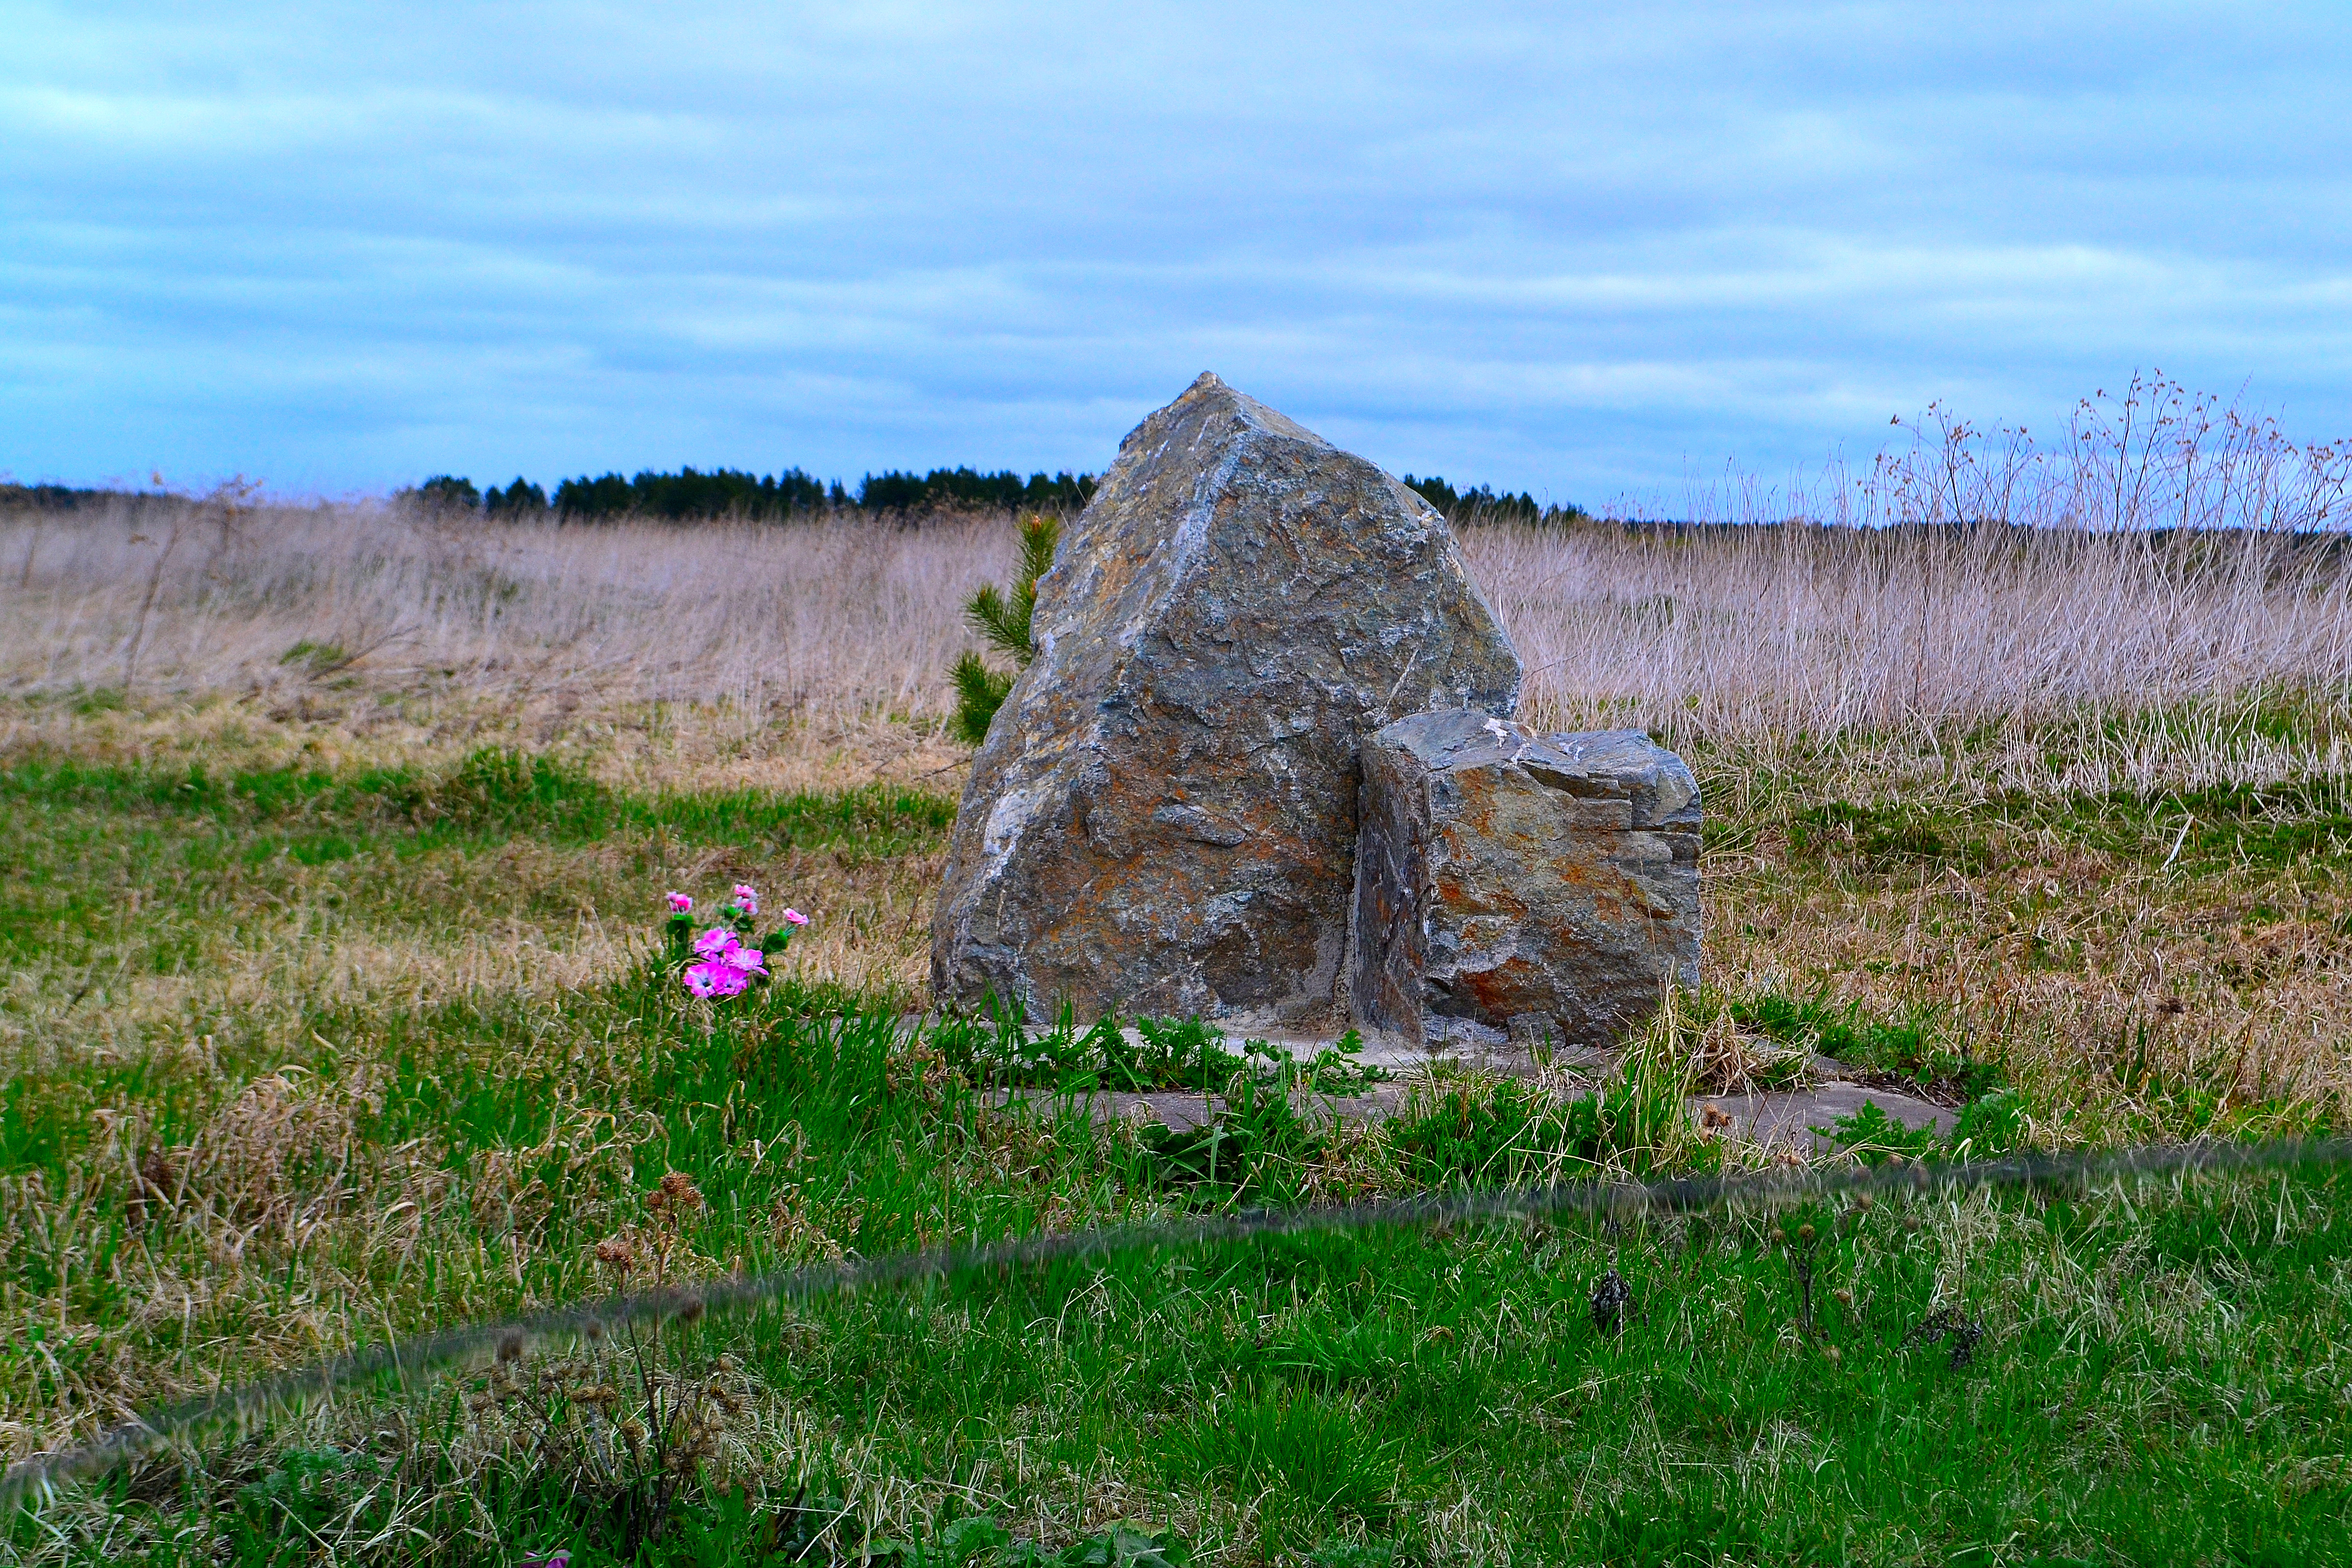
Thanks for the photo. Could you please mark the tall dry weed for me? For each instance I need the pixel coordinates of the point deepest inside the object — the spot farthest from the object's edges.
(832, 620)
(2164, 554)
(1795, 633)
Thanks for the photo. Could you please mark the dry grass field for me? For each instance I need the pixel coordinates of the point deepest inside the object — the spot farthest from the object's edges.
(306, 807)
(2023, 741)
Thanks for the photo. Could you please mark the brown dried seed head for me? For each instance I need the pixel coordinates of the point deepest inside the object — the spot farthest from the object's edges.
(1804, 1233)
(156, 1181)
(616, 1252)
(676, 1195)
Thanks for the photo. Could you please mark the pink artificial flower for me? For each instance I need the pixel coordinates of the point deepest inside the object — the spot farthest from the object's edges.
(795, 917)
(716, 977)
(555, 1560)
(679, 904)
(716, 942)
(746, 899)
(746, 960)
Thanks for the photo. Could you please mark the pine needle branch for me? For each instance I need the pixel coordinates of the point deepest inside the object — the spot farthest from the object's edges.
(1005, 621)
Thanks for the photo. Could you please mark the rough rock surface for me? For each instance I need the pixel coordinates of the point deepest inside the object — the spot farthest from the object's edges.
(1513, 885)
(1162, 819)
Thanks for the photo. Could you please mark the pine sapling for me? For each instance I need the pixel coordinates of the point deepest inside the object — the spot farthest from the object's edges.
(1003, 619)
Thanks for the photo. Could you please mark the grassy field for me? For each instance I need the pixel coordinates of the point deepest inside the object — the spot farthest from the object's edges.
(334, 1011)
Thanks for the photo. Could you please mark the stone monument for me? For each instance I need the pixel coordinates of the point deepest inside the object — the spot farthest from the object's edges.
(1162, 819)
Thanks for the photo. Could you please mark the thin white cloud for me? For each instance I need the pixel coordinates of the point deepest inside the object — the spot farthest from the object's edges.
(1567, 250)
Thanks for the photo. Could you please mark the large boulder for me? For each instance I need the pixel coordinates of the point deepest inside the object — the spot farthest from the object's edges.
(1518, 885)
(1162, 819)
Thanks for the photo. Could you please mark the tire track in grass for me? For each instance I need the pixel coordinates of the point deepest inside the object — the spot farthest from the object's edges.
(37, 1476)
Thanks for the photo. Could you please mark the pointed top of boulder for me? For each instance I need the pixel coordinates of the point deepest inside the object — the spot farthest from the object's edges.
(1208, 395)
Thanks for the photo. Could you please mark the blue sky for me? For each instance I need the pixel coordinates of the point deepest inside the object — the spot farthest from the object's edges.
(1576, 249)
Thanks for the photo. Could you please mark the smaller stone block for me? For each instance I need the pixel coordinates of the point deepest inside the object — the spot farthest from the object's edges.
(1512, 886)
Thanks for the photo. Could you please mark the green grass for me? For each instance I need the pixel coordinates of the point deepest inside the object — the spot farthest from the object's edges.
(118, 874)
(2158, 1378)
(2226, 827)
(191, 829)
(196, 1185)
(2147, 1358)
(1910, 1048)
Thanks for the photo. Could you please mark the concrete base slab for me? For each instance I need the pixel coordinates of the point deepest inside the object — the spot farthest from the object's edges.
(1182, 1110)
(1787, 1119)
(1794, 1119)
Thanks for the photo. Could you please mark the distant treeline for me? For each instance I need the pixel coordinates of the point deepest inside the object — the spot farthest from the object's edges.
(61, 498)
(729, 492)
(1483, 505)
(690, 494)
